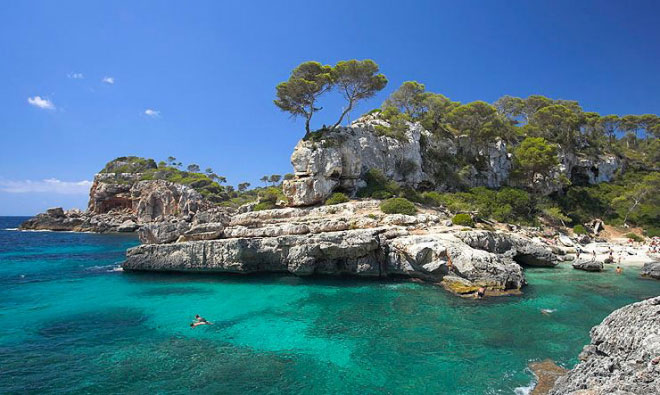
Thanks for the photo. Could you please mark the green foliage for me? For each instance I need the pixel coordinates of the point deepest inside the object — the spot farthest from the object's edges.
(463, 220)
(398, 206)
(264, 206)
(298, 95)
(635, 237)
(506, 205)
(479, 121)
(129, 164)
(336, 198)
(554, 215)
(580, 230)
(356, 80)
(398, 124)
(378, 186)
(632, 198)
(535, 156)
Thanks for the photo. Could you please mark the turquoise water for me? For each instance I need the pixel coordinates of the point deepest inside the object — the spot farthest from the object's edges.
(70, 322)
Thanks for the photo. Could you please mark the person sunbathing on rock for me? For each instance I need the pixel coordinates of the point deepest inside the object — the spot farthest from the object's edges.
(481, 292)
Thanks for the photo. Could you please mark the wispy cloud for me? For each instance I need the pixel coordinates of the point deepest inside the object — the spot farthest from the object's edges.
(152, 113)
(109, 80)
(41, 102)
(75, 76)
(50, 185)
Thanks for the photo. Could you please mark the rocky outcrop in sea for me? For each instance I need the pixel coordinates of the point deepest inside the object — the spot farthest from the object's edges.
(353, 238)
(623, 356)
(122, 202)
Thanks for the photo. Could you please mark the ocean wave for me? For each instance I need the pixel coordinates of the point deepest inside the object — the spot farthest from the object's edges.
(105, 269)
(526, 390)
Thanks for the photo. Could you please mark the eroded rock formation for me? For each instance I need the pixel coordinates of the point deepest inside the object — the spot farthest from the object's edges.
(339, 159)
(623, 356)
(353, 238)
(120, 202)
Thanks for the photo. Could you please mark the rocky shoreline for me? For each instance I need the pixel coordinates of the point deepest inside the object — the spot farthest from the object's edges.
(623, 356)
(352, 238)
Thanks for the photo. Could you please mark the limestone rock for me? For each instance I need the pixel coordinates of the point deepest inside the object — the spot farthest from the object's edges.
(340, 158)
(652, 270)
(623, 356)
(162, 232)
(588, 265)
(523, 250)
(128, 226)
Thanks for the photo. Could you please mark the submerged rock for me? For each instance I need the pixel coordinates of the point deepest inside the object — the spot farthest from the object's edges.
(588, 265)
(623, 356)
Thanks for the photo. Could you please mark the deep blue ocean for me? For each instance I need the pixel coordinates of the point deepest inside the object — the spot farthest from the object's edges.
(71, 321)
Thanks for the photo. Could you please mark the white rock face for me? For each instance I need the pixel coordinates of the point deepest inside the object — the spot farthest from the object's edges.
(343, 156)
(350, 238)
(340, 158)
(623, 356)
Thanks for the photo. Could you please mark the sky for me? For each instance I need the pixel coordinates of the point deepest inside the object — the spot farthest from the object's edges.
(84, 82)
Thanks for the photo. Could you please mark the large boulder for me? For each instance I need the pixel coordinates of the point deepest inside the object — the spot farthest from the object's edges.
(588, 265)
(623, 356)
(651, 270)
(523, 250)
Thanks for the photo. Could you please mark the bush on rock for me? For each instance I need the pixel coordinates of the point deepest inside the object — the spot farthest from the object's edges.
(462, 219)
(398, 206)
(336, 198)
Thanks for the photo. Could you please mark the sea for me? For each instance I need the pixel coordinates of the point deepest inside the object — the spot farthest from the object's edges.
(71, 321)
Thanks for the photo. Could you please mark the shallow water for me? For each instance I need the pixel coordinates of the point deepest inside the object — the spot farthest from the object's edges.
(71, 322)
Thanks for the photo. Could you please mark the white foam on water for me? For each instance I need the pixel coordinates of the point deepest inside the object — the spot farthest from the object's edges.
(526, 390)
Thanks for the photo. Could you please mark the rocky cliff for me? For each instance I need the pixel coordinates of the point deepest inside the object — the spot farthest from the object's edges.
(352, 238)
(122, 202)
(339, 159)
(623, 356)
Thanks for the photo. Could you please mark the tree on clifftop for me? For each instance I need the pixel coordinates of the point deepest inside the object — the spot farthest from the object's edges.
(409, 98)
(535, 156)
(299, 94)
(356, 80)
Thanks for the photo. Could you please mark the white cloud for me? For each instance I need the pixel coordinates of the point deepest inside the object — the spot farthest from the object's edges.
(109, 80)
(152, 113)
(50, 185)
(75, 76)
(41, 102)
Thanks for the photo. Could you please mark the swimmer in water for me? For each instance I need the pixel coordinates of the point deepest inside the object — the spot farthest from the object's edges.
(199, 320)
(619, 270)
(547, 311)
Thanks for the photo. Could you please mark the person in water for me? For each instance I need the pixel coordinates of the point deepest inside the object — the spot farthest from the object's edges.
(199, 320)
(619, 270)
(481, 292)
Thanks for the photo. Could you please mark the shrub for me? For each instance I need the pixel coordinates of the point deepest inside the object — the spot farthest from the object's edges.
(579, 230)
(264, 206)
(381, 195)
(462, 219)
(336, 198)
(378, 186)
(635, 237)
(398, 206)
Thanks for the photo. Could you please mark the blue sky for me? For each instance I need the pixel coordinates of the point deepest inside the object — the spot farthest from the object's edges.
(84, 82)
